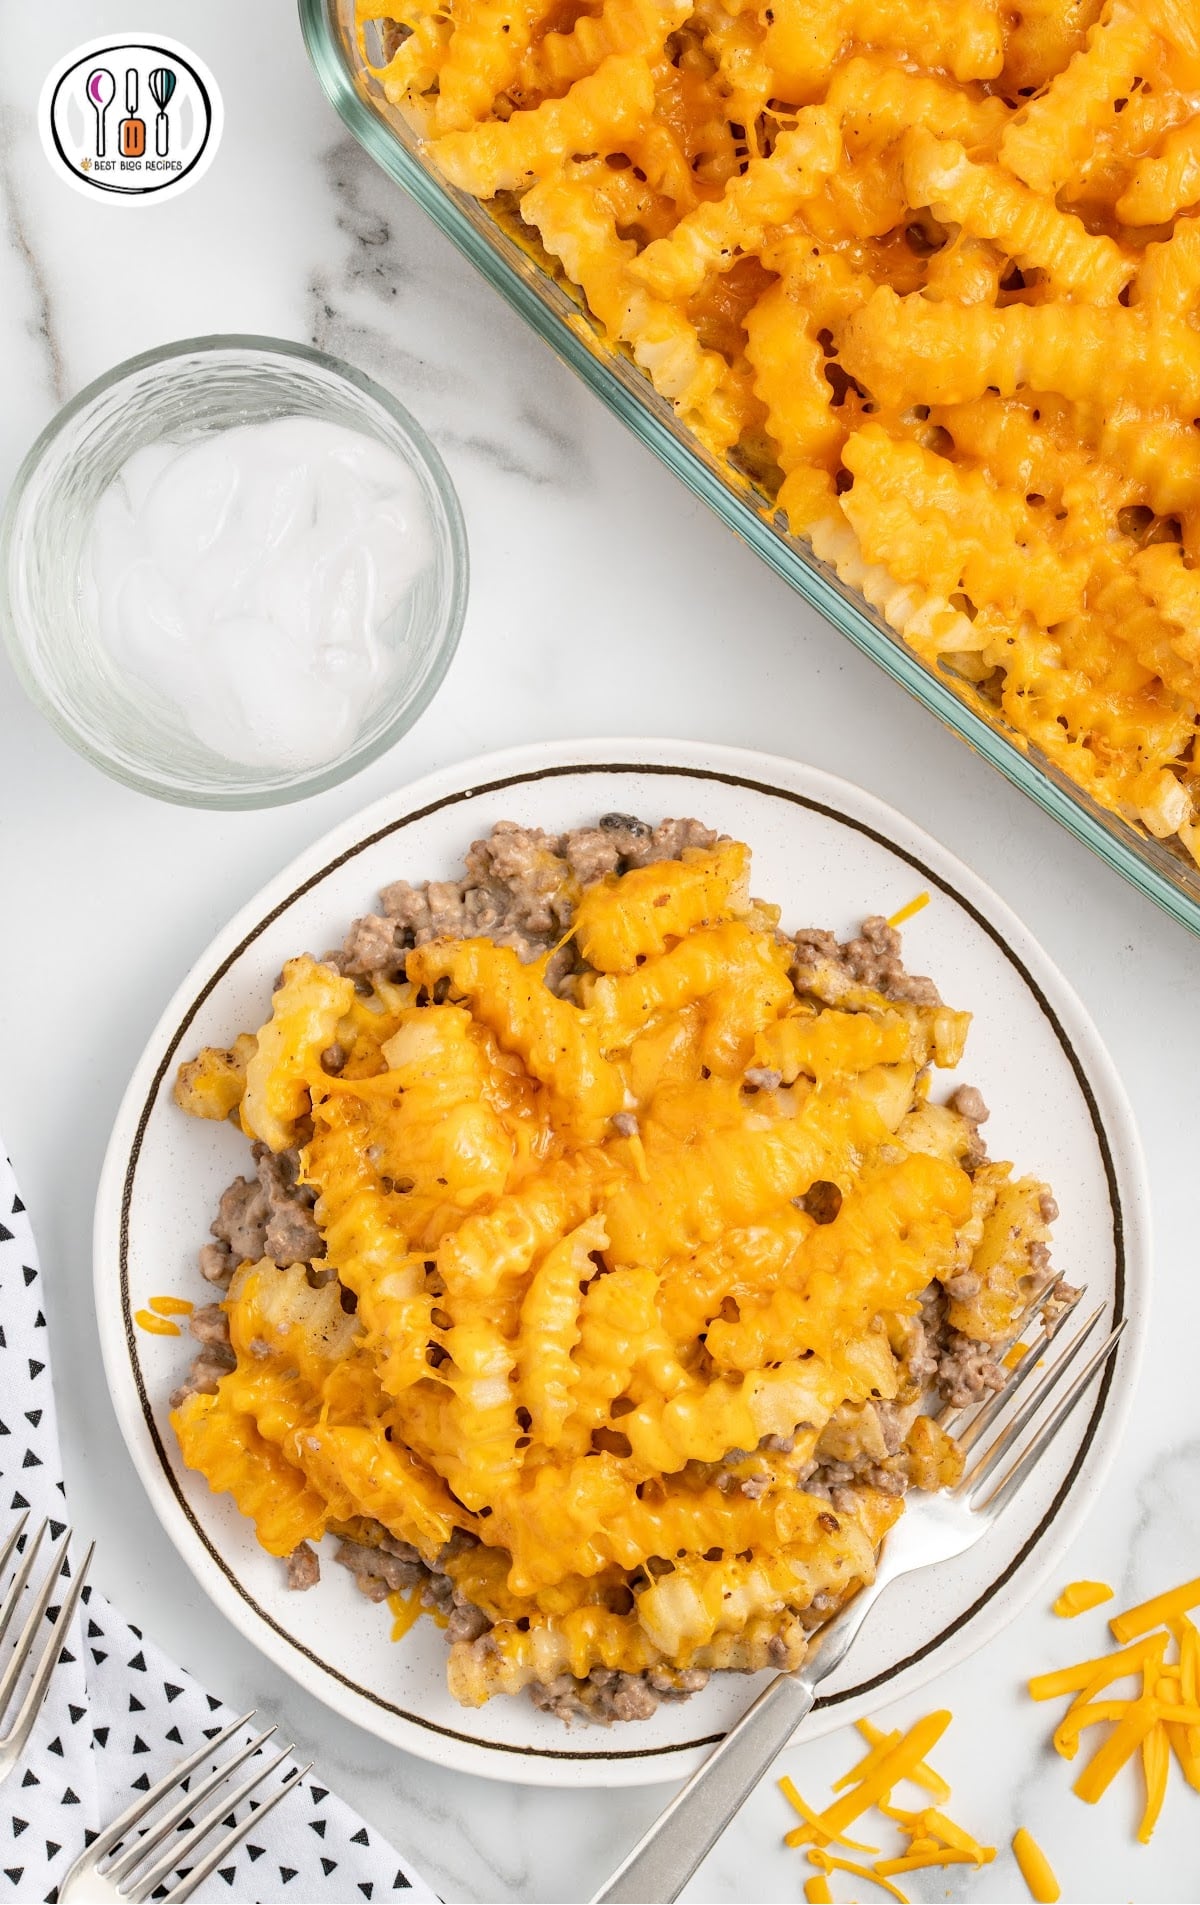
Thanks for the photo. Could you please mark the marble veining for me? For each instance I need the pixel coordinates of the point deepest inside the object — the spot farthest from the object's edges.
(605, 599)
(28, 260)
(484, 367)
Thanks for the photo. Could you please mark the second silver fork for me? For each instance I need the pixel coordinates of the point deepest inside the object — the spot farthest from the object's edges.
(936, 1528)
(33, 1649)
(114, 1867)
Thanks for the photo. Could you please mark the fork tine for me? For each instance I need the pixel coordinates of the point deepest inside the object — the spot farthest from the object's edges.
(14, 1537)
(182, 1848)
(1043, 1390)
(233, 1838)
(152, 1839)
(30, 1707)
(1009, 1483)
(36, 1613)
(20, 1577)
(999, 1402)
(120, 1828)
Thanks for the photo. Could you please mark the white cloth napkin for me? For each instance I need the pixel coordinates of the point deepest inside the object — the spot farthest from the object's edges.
(119, 1713)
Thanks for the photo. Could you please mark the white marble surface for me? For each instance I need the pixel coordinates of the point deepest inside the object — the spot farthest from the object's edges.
(604, 600)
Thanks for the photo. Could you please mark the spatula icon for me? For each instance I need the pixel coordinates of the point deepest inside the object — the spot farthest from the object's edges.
(161, 82)
(101, 90)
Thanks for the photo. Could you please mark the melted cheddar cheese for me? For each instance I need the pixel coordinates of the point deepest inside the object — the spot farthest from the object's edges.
(922, 280)
(581, 1311)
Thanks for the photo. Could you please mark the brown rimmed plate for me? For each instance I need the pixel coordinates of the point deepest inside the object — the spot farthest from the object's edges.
(830, 854)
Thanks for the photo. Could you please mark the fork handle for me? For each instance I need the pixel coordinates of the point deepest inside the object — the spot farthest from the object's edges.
(663, 1861)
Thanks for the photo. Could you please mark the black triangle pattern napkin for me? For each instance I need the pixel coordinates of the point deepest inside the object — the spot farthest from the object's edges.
(120, 1713)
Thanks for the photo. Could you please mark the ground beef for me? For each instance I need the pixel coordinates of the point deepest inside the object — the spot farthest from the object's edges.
(1061, 1298)
(921, 1355)
(466, 1623)
(390, 1568)
(963, 1287)
(269, 1215)
(830, 969)
(291, 1230)
(519, 889)
(210, 1326)
(893, 1420)
(625, 1696)
(217, 1262)
(967, 1371)
(608, 1694)
(677, 1683)
(204, 1375)
(868, 1450)
(964, 1370)
(241, 1220)
(303, 1568)
(372, 949)
(968, 1102)
(592, 853)
(832, 1480)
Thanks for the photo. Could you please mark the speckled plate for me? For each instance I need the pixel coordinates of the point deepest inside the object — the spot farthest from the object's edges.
(830, 854)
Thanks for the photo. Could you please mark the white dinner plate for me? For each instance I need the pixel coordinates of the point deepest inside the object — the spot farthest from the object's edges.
(829, 854)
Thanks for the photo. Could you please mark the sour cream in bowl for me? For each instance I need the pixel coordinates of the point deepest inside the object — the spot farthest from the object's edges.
(234, 572)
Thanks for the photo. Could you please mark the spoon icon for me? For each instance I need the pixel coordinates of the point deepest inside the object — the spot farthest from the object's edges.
(101, 90)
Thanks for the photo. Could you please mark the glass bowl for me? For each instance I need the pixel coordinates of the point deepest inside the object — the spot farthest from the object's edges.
(177, 394)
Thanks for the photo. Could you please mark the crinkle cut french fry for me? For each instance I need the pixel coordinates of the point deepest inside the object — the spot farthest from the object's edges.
(952, 208)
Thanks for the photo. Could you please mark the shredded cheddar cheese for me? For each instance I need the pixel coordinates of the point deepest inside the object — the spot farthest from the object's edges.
(880, 1743)
(811, 1818)
(156, 1325)
(406, 1611)
(829, 1864)
(933, 1839)
(1036, 1870)
(1079, 1597)
(1159, 1721)
(1159, 1612)
(171, 1306)
(910, 911)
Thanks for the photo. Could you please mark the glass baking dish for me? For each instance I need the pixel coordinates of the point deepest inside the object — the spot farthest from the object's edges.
(1164, 873)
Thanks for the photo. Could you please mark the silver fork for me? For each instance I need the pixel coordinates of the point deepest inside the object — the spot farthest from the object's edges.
(936, 1527)
(87, 1884)
(31, 1649)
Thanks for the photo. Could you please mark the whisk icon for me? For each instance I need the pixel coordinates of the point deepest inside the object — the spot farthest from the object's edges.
(161, 81)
